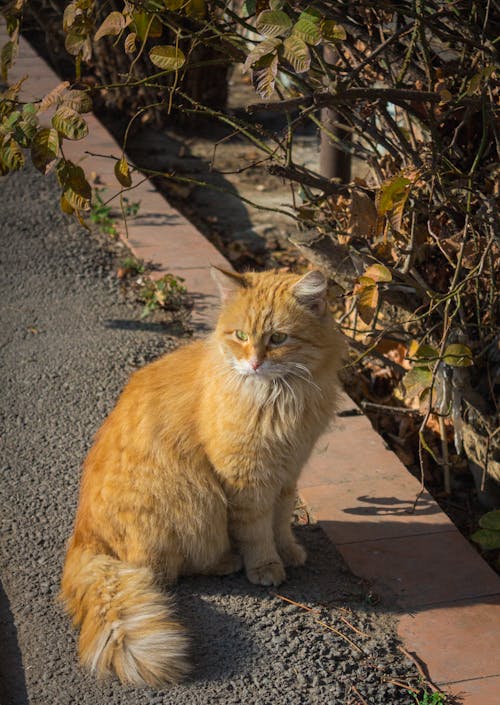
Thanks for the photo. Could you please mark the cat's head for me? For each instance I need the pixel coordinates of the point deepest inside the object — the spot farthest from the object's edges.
(273, 324)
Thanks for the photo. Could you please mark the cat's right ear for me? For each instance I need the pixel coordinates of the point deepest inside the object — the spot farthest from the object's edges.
(229, 283)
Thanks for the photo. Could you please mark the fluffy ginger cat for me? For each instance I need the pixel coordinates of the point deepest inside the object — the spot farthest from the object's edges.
(195, 471)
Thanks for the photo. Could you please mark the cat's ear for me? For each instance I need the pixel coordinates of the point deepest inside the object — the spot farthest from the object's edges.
(310, 291)
(229, 283)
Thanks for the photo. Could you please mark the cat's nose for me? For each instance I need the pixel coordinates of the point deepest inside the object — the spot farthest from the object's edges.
(255, 364)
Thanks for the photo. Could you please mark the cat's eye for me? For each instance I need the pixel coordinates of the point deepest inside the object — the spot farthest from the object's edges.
(241, 335)
(278, 338)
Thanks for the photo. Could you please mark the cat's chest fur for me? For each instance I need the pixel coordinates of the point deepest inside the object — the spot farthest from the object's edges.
(266, 439)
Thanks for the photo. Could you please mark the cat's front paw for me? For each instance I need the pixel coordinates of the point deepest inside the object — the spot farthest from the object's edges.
(267, 574)
(293, 554)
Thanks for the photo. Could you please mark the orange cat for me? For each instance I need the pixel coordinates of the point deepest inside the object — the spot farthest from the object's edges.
(195, 471)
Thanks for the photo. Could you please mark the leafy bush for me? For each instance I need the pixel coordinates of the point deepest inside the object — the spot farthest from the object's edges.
(407, 88)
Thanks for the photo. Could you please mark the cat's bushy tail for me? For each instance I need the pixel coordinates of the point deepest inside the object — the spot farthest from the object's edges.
(126, 622)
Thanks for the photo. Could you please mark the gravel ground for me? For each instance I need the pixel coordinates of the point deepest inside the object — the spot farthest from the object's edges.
(68, 343)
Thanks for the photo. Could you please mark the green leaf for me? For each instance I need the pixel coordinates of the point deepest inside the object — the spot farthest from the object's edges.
(168, 58)
(296, 52)
(122, 173)
(308, 27)
(143, 20)
(65, 206)
(174, 4)
(391, 193)
(112, 25)
(491, 520)
(12, 155)
(196, 8)
(332, 32)
(9, 51)
(487, 539)
(267, 46)
(417, 380)
(458, 355)
(367, 294)
(25, 130)
(76, 189)
(70, 123)
(80, 101)
(74, 42)
(273, 23)
(379, 273)
(45, 149)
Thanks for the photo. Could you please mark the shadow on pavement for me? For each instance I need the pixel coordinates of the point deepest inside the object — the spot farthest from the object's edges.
(12, 682)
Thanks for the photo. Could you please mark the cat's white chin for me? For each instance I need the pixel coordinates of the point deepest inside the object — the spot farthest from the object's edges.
(263, 373)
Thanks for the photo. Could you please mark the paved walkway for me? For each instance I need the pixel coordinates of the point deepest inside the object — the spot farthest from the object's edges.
(446, 598)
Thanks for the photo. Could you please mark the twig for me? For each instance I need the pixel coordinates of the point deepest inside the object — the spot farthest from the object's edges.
(400, 684)
(385, 407)
(363, 701)
(445, 455)
(319, 621)
(421, 668)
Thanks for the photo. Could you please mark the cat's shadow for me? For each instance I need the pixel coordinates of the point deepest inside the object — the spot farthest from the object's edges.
(225, 629)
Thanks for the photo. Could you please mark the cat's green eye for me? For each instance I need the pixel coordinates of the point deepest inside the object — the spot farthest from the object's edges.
(241, 335)
(278, 338)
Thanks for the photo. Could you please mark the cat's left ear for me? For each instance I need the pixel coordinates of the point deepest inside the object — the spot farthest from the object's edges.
(229, 283)
(310, 291)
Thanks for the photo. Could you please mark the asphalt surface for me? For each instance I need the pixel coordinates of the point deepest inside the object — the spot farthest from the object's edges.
(68, 343)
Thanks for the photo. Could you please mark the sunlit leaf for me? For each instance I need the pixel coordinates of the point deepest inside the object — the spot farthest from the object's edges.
(379, 273)
(417, 380)
(69, 15)
(264, 75)
(273, 23)
(52, 97)
(130, 43)
(12, 155)
(122, 173)
(45, 149)
(392, 192)
(332, 31)
(458, 355)
(76, 188)
(112, 25)
(70, 123)
(426, 354)
(367, 294)
(167, 58)
(78, 100)
(296, 52)
(65, 206)
(308, 27)
(268, 46)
